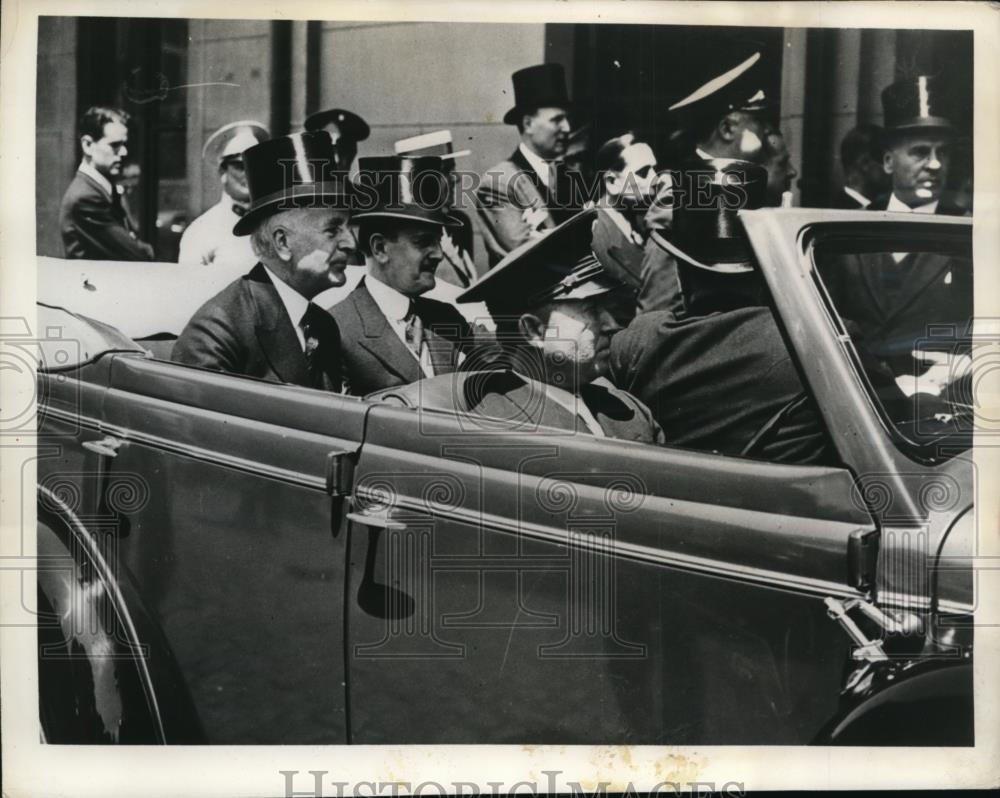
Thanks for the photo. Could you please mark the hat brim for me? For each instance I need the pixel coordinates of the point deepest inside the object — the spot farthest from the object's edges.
(938, 123)
(314, 195)
(412, 215)
(351, 125)
(736, 267)
(514, 114)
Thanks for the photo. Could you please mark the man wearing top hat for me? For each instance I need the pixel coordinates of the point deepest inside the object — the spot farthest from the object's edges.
(457, 266)
(918, 142)
(92, 220)
(892, 298)
(209, 238)
(532, 191)
(551, 301)
(391, 334)
(720, 379)
(264, 324)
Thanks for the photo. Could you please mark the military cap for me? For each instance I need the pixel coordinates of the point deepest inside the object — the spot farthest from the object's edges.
(558, 266)
(296, 171)
(916, 103)
(438, 143)
(739, 88)
(351, 125)
(229, 141)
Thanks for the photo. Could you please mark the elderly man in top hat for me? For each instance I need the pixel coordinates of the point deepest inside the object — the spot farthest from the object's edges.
(92, 220)
(391, 334)
(551, 301)
(720, 379)
(918, 142)
(530, 192)
(457, 266)
(209, 239)
(264, 324)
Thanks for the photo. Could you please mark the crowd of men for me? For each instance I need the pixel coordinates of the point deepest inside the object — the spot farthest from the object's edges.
(628, 307)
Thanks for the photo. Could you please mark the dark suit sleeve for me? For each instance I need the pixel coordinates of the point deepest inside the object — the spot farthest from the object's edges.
(210, 341)
(103, 235)
(660, 287)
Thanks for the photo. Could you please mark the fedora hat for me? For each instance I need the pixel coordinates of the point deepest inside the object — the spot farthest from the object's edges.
(396, 187)
(296, 171)
(916, 103)
(541, 86)
(705, 231)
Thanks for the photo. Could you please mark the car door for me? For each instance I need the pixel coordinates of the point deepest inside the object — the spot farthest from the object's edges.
(537, 586)
(226, 495)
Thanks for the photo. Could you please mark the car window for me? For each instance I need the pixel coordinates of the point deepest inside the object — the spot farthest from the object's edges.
(903, 302)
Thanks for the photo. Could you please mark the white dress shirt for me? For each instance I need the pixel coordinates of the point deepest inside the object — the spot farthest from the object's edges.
(539, 164)
(295, 304)
(395, 307)
(897, 205)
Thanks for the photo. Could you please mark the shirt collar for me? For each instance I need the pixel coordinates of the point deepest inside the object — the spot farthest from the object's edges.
(394, 305)
(857, 196)
(540, 165)
(621, 222)
(90, 171)
(896, 204)
(295, 304)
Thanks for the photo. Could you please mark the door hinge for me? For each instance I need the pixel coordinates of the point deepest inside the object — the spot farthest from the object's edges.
(862, 559)
(340, 473)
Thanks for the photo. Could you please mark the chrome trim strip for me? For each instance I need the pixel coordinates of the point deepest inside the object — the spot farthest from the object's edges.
(630, 551)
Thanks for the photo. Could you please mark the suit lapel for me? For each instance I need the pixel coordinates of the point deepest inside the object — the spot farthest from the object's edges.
(924, 271)
(274, 330)
(529, 174)
(380, 340)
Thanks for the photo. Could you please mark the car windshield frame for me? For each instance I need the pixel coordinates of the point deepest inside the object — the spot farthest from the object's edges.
(883, 236)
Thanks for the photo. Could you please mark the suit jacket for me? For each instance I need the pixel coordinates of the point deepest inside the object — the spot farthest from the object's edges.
(660, 285)
(245, 329)
(509, 396)
(721, 383)
(96, 228)
(506, 192)
(373, 355)
(620, 256)
(845, 201)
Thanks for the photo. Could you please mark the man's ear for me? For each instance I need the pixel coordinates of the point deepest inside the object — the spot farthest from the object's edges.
(887, 163)
(377, 246)
(532, 329)
(279, 238)
(86, 142)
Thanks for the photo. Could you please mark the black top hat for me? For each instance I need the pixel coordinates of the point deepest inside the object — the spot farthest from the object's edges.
(397, 187)
(558, 266)
(705, 231)
(739, 88)
(296, 171)
(541, 86)
(912, 103)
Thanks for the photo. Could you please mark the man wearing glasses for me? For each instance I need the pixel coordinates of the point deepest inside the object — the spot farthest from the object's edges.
(92, 221)
(209, 239)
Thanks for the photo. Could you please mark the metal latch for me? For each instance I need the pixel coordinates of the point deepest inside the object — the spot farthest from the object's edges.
(869, 650)
(862, 558)
(340, 473)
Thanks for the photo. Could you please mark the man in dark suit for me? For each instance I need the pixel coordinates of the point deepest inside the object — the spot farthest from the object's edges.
(720, 378)
(92, 220)
(264, 324)
(552, 302)
(390, 334)
(532, 191)
(861, 160)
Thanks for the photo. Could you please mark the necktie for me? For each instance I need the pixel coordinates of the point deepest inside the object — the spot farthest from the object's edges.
(318, 330)
(414, 331)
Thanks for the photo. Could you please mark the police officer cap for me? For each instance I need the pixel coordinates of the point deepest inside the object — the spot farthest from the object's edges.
(739, 88)
(559, 266)
(230, 141)
(351, 126)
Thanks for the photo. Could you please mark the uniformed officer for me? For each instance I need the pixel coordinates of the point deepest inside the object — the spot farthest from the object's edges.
(457, 266)
(720, 379)
(209, 239)
(552, 303)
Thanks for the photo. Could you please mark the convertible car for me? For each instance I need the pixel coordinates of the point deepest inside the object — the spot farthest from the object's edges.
(226, 560)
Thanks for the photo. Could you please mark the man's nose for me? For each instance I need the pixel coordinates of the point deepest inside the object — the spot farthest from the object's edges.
(122, 151)
(346, 240)
(935, 161)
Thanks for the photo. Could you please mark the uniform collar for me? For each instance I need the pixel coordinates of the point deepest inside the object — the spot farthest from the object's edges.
(896, 204)
(90, 171)
(394, 305)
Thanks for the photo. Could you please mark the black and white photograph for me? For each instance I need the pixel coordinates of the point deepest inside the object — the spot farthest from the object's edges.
(611, 388)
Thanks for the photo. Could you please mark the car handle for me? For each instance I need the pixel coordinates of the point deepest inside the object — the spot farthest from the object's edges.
(106, 447)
